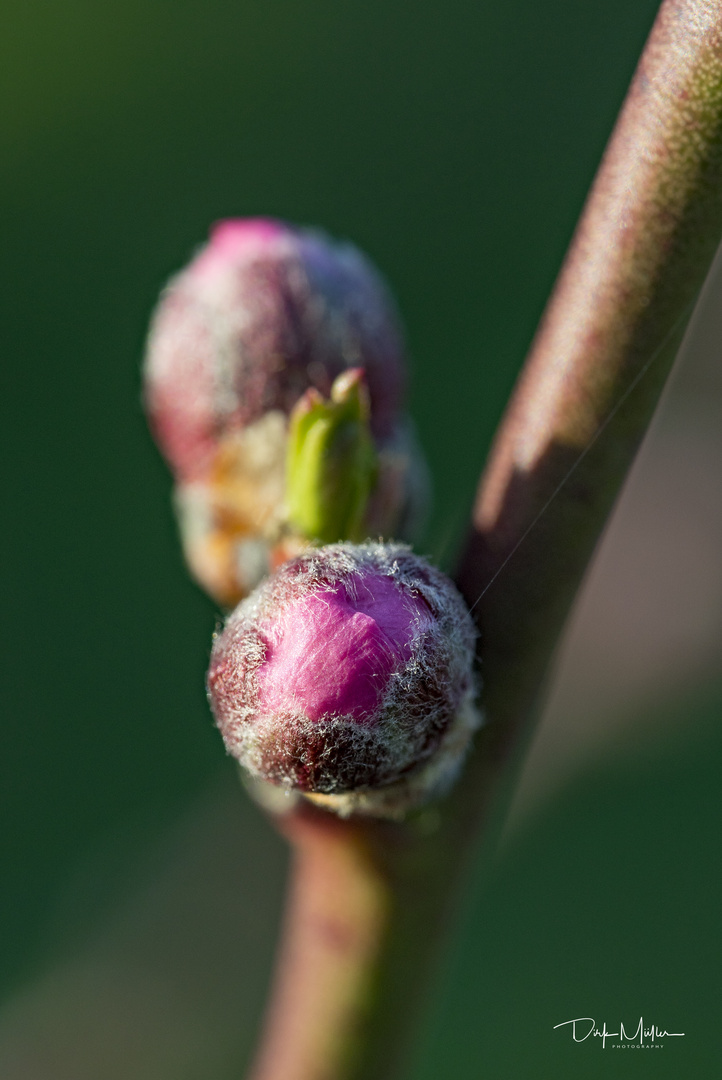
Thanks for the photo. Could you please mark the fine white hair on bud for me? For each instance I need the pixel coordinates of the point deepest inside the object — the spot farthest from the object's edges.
(347, 676)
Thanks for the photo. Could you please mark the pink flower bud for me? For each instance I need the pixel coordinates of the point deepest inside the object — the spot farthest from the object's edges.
(263, 312)
(347, 676)
(263, 315)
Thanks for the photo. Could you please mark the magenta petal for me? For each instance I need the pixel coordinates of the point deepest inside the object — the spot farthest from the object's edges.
(233, 234)
(333, 653)
(237, 242)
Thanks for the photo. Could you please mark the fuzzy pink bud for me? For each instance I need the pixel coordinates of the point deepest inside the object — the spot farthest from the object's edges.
(263, 312)
(264, 317)
(347, 676)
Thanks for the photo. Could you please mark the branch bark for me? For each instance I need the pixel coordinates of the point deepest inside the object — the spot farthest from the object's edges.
(606, 343)
(371, 899)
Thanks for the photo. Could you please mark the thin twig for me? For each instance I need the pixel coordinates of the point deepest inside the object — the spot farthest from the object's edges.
(606, 343)
(370, 900)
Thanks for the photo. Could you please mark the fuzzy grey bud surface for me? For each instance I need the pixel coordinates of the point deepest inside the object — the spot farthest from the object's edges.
(348, 677)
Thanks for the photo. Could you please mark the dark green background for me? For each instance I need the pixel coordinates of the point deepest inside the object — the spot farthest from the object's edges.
(455, 143)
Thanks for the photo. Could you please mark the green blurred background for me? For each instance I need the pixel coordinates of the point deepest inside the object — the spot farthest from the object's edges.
(140, 890)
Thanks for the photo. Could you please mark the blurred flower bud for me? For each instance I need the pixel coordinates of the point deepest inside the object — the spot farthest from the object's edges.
(264, 314)
(347, 676)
